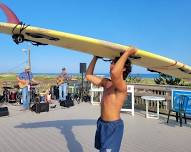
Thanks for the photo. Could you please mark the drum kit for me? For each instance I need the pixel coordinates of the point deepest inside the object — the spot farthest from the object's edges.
(14, 94)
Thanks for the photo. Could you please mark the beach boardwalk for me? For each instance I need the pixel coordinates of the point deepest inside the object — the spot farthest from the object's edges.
(72, 130)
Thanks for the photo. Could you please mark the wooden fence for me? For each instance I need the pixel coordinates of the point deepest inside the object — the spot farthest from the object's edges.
(155, 90)
(140, 90)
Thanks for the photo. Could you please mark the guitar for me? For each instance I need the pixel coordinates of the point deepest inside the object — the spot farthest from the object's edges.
(27, 83)
(60, 80)
(23, 84)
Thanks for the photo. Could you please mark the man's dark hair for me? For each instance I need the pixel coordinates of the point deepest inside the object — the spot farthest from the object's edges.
(127, 67)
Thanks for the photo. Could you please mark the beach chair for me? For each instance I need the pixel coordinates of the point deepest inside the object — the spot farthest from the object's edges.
(180, 103)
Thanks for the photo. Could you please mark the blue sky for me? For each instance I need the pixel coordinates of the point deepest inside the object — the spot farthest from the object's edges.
(158, 26)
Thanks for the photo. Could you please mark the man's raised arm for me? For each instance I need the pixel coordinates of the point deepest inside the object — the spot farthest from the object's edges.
(89, 73)
(118, 69)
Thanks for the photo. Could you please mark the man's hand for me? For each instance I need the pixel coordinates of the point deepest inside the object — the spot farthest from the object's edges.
(131, 50)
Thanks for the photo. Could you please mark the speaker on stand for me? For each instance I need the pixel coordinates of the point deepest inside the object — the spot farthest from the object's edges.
(82, 71)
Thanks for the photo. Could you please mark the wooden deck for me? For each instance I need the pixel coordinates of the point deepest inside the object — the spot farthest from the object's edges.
(72, 130)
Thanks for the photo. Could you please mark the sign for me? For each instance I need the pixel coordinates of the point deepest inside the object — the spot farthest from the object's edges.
(129, 102)
(96, 94)
(181, 100)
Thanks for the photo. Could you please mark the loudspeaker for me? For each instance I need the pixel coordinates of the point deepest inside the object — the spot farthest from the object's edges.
(4, 111)
(67, 103)
(82, 67)
(40, 107)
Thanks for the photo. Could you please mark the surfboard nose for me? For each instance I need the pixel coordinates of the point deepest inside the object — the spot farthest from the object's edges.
(11, 17)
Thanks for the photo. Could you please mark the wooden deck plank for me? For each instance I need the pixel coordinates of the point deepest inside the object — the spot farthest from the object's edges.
(72, 130)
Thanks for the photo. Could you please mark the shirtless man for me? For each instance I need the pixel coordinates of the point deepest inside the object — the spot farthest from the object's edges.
(109, 131)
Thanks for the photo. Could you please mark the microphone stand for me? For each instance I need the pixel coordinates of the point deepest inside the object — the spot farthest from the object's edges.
(29, 88)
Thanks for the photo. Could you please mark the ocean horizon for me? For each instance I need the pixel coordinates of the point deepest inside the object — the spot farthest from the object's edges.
(101, 74)
(138, 75)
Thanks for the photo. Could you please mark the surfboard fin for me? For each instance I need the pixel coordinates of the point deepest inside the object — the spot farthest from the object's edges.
(11, 17)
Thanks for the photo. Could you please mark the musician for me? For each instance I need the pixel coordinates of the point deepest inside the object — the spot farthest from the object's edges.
(62, 82)
(24, 80)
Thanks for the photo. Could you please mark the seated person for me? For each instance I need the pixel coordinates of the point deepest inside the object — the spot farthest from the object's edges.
(48, 96)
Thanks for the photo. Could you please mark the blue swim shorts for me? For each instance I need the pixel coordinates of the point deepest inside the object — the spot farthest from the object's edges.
(109, 135)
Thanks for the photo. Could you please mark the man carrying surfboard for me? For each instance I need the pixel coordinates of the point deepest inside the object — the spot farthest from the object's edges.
(109, 131)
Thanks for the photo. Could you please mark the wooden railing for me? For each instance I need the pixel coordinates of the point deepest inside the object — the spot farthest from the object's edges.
(155, 90)
(140, 90)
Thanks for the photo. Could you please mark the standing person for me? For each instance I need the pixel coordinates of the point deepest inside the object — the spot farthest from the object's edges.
(24, 81)
(109, 131)
(62, 81)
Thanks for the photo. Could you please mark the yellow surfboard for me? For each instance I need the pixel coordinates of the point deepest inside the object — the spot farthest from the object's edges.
(41, 36)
